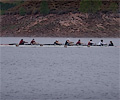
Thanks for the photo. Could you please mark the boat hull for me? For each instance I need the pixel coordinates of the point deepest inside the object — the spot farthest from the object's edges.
(51, 46)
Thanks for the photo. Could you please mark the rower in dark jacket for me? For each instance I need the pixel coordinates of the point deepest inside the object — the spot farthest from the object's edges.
(90, 42)
(22, 42)
(57, 43)
(33, 42)
(78, 43)
(68, 42)
(111, 43)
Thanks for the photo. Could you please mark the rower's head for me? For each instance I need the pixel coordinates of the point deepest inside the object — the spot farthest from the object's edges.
(33, 39)
(101, 40)
(57, 40)
(79, 40)
(91, 40)
(110, 41)
(68, 39)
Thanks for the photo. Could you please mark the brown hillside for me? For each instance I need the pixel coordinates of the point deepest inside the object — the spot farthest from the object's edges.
(65, 25)
(64, 20)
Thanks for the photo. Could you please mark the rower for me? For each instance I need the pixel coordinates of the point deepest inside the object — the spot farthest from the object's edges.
(33, 42)
(57, 43)
(111, 43)
(101, 43)
(78, 43)
(68, 43)
(22, 42)
(90, 43)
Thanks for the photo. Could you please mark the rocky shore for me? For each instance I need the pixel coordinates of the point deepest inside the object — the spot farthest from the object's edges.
(61, 25)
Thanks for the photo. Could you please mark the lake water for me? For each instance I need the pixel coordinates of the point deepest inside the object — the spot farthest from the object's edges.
(59, 73)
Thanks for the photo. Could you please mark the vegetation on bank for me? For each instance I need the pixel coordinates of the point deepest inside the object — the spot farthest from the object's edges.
(90, 6)
(43, 7)
(22, 11)
(6, 6)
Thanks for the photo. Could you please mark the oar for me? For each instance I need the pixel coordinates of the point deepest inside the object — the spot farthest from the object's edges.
(52, 44)
(4, 44)
(9, 44)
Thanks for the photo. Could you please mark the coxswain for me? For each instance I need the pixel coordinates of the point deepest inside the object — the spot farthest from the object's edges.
(111, 43)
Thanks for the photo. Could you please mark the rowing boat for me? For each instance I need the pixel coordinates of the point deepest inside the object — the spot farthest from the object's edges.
(50, 45)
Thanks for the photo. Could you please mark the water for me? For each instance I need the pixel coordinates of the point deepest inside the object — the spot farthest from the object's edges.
(59, 73)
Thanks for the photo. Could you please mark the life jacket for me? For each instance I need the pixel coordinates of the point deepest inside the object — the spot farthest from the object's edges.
(89, 43)
(78, 43)
(66, 43)
(21, 42)
(32, 41)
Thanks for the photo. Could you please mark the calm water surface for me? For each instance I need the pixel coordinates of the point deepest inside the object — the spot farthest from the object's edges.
(59, 73)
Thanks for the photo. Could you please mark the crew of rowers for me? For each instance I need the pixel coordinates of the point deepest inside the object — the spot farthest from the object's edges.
(90, 43)
(22, 42)
(69, 43)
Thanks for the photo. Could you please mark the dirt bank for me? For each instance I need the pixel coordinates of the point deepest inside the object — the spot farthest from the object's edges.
(61, 25)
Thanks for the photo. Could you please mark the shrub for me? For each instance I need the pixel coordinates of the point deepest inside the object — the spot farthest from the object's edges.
(2, 12)
(90, 6)
(6, 6)
(113, 7)
(22, 11)
(44, 8)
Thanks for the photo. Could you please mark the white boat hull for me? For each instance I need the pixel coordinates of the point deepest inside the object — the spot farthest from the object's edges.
(51, 46)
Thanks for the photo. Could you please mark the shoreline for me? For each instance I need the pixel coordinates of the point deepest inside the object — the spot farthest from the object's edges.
(51, 37)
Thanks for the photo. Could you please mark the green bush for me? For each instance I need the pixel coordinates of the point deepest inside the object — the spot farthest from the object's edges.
(6, 6)
(18, 2)
(113, 7)
(44, 8)
(22, 11)
(2, 12)
(90, 6)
